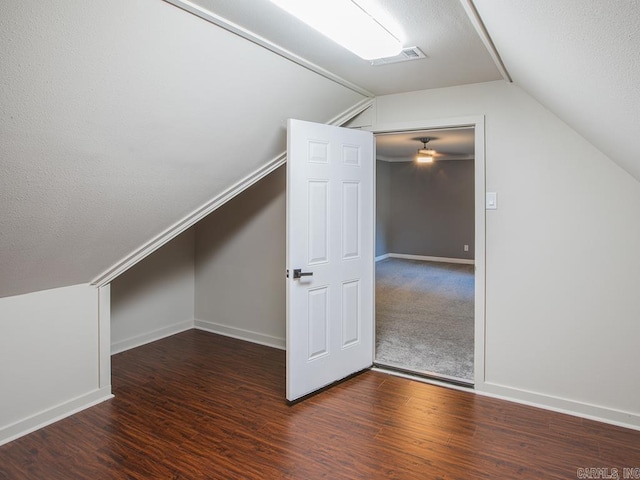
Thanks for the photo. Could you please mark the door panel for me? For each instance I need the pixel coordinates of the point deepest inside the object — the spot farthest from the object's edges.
(318, 221)
(330, 238)
(350, 313)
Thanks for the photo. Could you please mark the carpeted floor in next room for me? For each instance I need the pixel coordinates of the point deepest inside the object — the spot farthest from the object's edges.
(425, 317)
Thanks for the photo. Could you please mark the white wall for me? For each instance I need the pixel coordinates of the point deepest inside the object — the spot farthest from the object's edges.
(49, 357)
(240, 265)
(155, 298)
(561, 254)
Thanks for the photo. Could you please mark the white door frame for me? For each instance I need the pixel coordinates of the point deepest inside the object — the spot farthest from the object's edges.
(477, 122)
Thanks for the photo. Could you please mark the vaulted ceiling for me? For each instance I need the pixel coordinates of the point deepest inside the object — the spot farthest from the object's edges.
(440, 28)
(580, 59)
(119, 118)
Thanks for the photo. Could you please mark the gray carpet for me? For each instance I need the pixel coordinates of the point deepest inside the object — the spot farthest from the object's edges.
(424, 317)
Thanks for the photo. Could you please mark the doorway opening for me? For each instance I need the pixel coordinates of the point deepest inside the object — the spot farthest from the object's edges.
(425, 253)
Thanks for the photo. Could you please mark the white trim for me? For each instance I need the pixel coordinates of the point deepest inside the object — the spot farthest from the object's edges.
(352, 112)
(211, 17)
(186, 222)
(477, 122)
(531, 399)
(478, 24)
(241, 334)
(425, 258)
(561, 405)
(431, 124)
(382, 257)
(216, 202)
(104, 337)
(480, 336)
(149, 337)
(51, 415)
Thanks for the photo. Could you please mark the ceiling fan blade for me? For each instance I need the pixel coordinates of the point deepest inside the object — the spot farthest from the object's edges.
(451, 154)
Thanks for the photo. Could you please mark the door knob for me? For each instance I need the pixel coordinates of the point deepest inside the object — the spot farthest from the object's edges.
(298, 273)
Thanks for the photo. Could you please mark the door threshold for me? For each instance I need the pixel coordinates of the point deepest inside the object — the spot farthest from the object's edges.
(427, 377)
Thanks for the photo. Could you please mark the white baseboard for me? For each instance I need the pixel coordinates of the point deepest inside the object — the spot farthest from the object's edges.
(561, 405)
(53, 414)
(149, 337)
(424, 258)
(382, 257)
(241, 334)
(545, 402)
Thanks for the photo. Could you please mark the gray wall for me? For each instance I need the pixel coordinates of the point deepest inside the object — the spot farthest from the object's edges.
(427, 209)
(155, 297)
(226, 275)
(383, 206)
(240, 265)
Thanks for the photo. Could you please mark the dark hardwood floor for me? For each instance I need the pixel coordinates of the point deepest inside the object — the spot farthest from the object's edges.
(198, 405)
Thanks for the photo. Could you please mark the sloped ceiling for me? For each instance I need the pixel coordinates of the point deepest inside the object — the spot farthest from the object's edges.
(119, 118)
(579, 58)
(440, 28)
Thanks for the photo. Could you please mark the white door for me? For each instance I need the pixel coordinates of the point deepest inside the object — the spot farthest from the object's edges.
(330, 261)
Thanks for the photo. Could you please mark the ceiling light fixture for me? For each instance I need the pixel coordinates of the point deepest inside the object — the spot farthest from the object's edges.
(425, 155)
(347, 24)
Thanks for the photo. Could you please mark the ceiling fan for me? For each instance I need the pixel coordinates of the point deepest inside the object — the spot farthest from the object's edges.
(425, 155)
(428, 155)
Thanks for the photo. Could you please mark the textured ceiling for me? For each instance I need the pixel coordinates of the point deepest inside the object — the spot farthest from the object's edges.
(441, 28)
(450, 144)
(119, 118)
(579, 58)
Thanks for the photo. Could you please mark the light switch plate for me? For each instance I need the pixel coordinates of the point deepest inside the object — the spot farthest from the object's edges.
(492, 200)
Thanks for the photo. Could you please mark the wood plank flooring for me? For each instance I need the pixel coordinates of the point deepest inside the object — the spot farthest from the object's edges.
(202, 406)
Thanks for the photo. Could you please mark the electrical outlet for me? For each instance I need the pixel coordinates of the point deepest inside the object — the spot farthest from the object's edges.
(466, 248)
